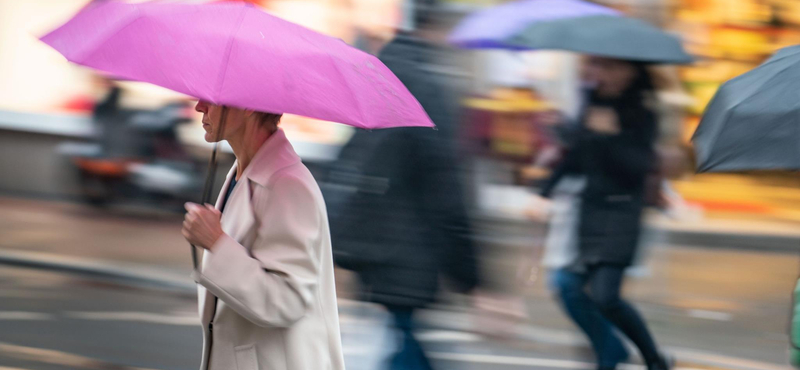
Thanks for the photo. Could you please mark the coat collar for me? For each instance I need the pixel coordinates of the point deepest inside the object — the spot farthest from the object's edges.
(238, 219)
(275, 154)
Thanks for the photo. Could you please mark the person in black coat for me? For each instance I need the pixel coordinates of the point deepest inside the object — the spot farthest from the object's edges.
(406, 216)
(614, 150)
(403, 223)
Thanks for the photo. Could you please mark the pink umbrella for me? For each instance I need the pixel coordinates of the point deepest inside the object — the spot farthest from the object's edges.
(235, 54)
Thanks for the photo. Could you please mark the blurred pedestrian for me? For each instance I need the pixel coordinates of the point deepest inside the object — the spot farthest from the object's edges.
(405, 223)
(614, 151)
(109, 103)
(560, 205)
(266, 293)
(561, 252)
(109, 120)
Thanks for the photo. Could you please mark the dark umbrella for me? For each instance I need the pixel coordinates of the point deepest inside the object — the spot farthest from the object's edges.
(603, 35)
(785, 52)
(752, 121)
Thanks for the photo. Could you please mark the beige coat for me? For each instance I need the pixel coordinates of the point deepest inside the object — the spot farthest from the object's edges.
(272, 273)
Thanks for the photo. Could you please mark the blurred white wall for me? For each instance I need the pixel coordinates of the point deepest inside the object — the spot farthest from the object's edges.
(34, 77)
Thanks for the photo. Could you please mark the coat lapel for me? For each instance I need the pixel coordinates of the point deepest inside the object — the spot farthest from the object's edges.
(238, 218)
(204, 298)
(227, 183)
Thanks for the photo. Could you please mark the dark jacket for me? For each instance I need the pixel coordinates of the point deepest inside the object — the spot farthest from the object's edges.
(405, 222)
(615, 167)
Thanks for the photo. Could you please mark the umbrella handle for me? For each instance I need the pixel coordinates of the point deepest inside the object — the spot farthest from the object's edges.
(210, 176)
(209, 185)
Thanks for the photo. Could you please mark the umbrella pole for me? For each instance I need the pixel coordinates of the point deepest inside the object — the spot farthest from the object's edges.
(210, 176)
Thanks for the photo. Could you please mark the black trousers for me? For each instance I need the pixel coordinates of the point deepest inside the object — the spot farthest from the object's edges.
(605, 282)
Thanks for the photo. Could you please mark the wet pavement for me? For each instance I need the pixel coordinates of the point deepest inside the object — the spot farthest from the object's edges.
(55, 321)
(713, 308)
(59, 321)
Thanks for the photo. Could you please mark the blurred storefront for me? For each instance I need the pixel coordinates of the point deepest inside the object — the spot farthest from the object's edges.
(731, 37)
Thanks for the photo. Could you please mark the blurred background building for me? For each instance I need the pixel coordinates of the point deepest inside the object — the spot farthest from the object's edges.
(40, 93)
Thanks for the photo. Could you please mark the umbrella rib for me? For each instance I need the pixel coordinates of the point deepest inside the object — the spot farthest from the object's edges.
(333, 60)
(731, 111)
(350, 88)
(226, 60)
(714, 133)
(122, 27)
(797, 138)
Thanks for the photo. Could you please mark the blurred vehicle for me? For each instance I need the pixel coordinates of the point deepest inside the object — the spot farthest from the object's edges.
(136, 156)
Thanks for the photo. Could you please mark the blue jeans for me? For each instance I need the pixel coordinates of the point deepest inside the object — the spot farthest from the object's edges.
(570, 288)
(409, 355)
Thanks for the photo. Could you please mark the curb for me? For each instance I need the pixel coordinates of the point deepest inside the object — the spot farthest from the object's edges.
(498, 226)
(127, 274)
(722, 240)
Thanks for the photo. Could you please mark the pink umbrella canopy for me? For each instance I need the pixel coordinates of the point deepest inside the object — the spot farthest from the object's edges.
(238, 55)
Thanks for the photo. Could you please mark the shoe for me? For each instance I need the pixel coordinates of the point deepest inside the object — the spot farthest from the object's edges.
(665, 363)
(622, 355)
(619, 354)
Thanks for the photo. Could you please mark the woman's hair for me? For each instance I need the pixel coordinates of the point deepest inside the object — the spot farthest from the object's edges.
(641, 91)
(640, 99)
(636, 105)
(643, 82)
(270, 120)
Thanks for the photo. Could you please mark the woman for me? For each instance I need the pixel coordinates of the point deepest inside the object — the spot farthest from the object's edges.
(266, 287)
(561, 252)
(615, 152)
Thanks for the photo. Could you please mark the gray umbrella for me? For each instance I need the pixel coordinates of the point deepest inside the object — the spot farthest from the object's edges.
(752, 122)
(608, 36)
(783, 53)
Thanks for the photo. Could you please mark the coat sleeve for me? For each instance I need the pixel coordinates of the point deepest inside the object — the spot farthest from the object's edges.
(569, 165)
(273, 284)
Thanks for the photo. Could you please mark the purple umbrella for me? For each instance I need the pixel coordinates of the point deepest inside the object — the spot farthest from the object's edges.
(492, 27)
(235, 54)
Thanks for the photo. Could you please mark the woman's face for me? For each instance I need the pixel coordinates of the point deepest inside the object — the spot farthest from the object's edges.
(610, 77)
(212, 121)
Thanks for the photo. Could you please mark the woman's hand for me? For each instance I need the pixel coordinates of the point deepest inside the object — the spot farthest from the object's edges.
(538, 209)
(603, 121)
(201, 226)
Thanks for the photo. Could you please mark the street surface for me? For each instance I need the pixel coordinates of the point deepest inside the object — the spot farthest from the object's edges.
(712, 308)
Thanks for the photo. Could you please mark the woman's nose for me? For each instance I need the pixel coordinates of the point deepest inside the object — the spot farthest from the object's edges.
(201, 106)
